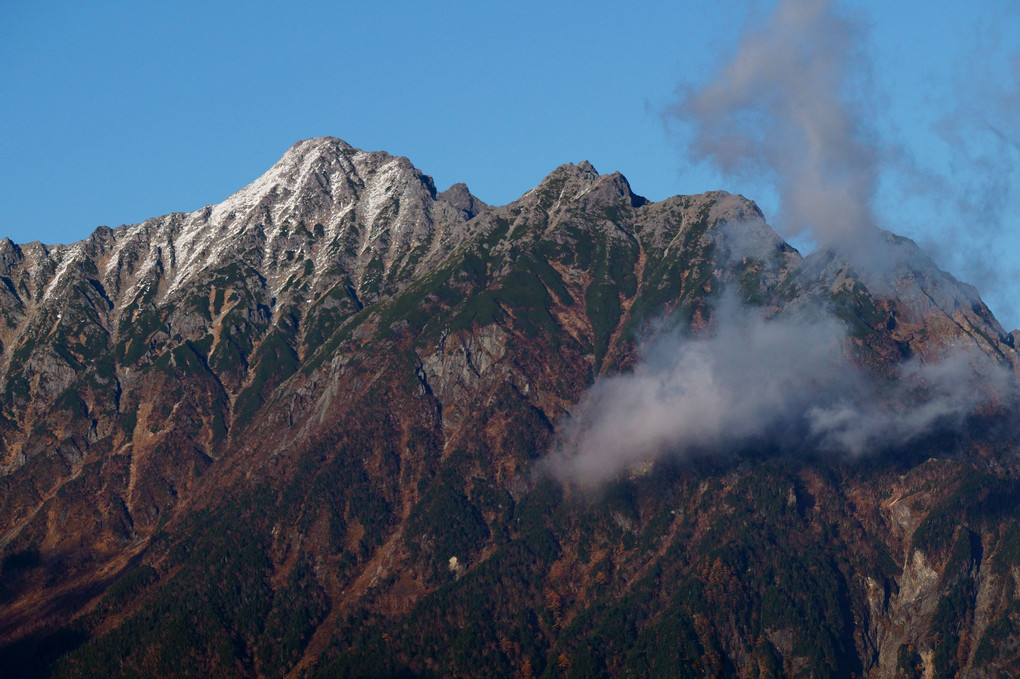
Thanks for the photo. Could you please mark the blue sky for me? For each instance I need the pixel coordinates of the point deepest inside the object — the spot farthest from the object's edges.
(115, 112)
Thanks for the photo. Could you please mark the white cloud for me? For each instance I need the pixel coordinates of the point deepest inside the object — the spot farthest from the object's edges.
(784, 381)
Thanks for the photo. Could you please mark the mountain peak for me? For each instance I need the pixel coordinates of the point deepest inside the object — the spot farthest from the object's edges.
(321, 142)
(928, 308)
(307, 161)
(460, 197)
(574, 182)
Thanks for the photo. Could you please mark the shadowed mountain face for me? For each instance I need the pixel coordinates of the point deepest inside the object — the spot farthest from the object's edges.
(298, 433)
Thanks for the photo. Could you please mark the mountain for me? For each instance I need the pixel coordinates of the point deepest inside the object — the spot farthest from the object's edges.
(300, 433)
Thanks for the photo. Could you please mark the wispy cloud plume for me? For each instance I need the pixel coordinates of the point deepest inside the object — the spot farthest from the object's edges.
(794, 109)
(977, 194)
(784, 109)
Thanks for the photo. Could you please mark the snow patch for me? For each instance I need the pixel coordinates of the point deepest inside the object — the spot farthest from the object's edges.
(70, 256)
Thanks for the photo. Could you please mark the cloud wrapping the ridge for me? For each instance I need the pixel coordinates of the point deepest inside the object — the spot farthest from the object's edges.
(785, 381)
(781, 110)
(794, 108)
(695, 394)
(784, 109)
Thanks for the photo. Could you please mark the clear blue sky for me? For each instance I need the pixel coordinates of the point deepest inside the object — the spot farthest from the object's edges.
(115, 112)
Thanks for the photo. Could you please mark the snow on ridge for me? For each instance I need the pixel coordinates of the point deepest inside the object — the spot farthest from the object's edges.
(118, 247)
(251, 195)
(200, 243)
(70, 255)
(288, 173)
(205, 236)
(378, 192)
(143, 273)
(323, 179)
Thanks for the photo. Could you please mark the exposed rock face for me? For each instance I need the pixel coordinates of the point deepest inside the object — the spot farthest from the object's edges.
(295, 433)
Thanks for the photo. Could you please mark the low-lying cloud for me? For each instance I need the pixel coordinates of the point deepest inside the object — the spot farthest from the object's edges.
(786, 381)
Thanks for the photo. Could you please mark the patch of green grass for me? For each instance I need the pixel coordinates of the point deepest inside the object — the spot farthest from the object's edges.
(273, 362)
(602, 304)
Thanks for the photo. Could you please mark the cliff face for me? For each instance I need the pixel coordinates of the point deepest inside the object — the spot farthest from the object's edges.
(296, 433)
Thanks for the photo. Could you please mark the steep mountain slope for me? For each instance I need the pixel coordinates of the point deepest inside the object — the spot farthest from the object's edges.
(295, 434)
